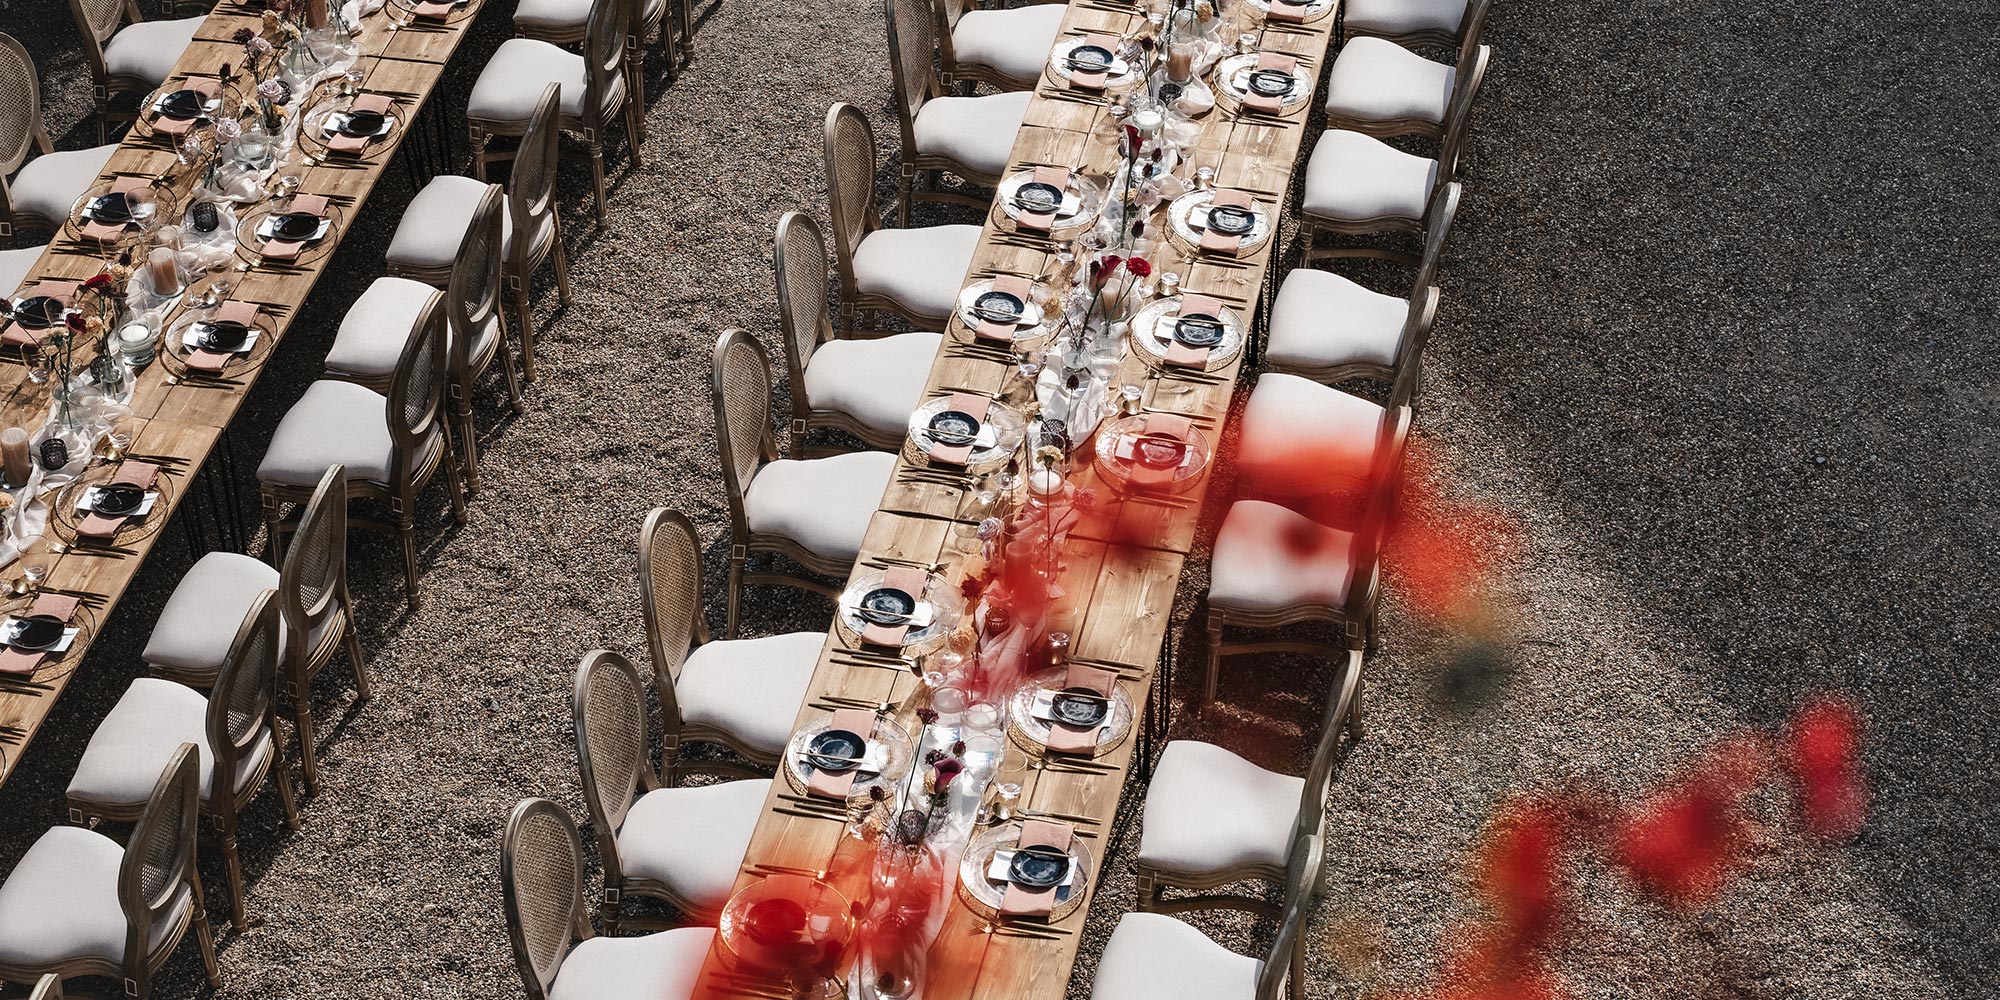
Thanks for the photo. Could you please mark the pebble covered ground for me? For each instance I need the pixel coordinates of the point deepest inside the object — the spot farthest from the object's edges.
(1715, 340)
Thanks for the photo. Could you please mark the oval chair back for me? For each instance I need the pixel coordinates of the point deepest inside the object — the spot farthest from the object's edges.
(541, 890)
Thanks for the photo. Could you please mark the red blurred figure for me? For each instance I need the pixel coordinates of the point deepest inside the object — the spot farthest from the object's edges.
(1519, 873)
(1685, 842)
(1823, 744)
(1489, 968)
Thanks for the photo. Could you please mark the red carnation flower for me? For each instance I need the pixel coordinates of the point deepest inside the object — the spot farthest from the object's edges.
(1139, 267)
(97, 282)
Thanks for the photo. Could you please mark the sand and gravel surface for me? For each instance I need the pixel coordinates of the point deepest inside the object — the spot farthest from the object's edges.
(1715, 338)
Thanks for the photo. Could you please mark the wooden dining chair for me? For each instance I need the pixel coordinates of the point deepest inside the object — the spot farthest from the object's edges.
(1358, 185)
(915, 274)
(680, 845)
(430, 236)
(1000, 47)
(814, 512)
(124, 57)
(37, 192)
(1331, 329)
(594, 92)
(235, 728)
(566, 22)
(79, 904)
(555, 950)
(866, 388)
(969, 137)
(1437, 24)
(1213, 819)
(1277, 568)
(48, 988)
(390, 447)
(740, 694)
(1380, 88)
(1152, 956)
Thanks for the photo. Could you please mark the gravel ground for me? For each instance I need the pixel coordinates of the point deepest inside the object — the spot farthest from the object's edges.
(1715, 288)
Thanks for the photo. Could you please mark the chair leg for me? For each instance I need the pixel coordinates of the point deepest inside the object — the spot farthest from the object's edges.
(232, 862)
(454, 485)
(273, 531)
(1149, 890)
(1214, 677)
(469, 446)
(204, 935)
(525, 318)
(511, 369)
(597, 174)
(302, 726)
(635, 63)
(478, 139)
(611, 912)
(562, 263)
(635, 129)
(736, 561)
(406, 532)
(282, 773)
(364, 686)
(903, 185)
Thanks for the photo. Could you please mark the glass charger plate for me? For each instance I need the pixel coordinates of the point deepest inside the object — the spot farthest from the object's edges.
(250, 242)
(1115, 438)
(1080, 204)
(87, 208)
(894, 740)
(1182, 212)
(1232, 77)
(1033, 733)
(984, 896)
(1124, 72)
(943, 600)
(1152, 331)
(152, 107)
(324, 119)
(174, 351)
(999, 434)
(1315, 10)
(1034, 317)
(52, 667)
(64, 518)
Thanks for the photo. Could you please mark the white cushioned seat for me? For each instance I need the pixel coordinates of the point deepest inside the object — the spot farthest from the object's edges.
(434, 222)
(521, 68)
(878, 381)
(1304, 438)
(15, 265)
(149, 49)
(1404, 17)
(550, 14)
(921, 268)
(1015, 41)
(202, 615)
(378, 325)
(1152, 956)
(1322, 319)
(1271, 558)
(335, 422)
(49, 185)
(660, 966)
(1377, 80)
(692, 839)
(1357, 178)
(975, 131)
(60, 904)
(823, 504)
(749, 688)
(1208, 809)
(132, 745)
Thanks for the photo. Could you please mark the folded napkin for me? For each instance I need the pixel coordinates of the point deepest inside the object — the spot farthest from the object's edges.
(354, 144)
(1064, 738)
(105, 526)
(434, 11)
(22, 662)
(1058, 177)
(105, 232)
(1289, 12)
(282, 249)
(13, 334)
(1018, 287)
(206, 86)
(837, 785)
(1027, 901)
(971, 405)
(1171, 425)
(1212, 240)
(1269, 105)
(1188, 355)
(909, 580)
(1094, 80)
(204, 360)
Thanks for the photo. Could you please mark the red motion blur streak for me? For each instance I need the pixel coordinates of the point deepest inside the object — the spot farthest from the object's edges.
(1687, 839)
(1823, 744)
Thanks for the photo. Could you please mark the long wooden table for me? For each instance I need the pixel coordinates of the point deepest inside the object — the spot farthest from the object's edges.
(184, 421)
(1123, 563)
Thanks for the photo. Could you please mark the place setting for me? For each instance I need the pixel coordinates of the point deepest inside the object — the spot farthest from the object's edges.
(111, 210)
(1051, 200)
(964, 430)
(37, 634)
(1006, 310)
(1153, 452)
(847, 753)
(1094, 62)
(1283, 12)
(1074, 711)
(1219, 221)
(355, 127)
(181, 106)
(1189, 331)
(230, 339)
(421, 14)
(301, 231)
(1270, 83)
(1036, 871)
(111, 504)
(40, 307)
(901, 608)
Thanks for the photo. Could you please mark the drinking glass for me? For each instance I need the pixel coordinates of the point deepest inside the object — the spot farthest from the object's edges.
(1008, 776)
(982, 717)
(949, 703)
(33, 572)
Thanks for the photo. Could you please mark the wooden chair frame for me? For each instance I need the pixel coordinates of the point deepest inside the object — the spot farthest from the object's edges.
(799, 266)
(34, 134)
(1470, 30)
(472, 300)
(97, 21)
(640, 28)
(1470, 25)
(914, 30)
(850, 186)
(313, 595)
(964, 76)
(541, 855)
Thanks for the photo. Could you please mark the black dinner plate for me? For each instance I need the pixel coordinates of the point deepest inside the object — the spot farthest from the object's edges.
(295, 226)
(117, 499)
(187, 103)
(836, 751)
(1038, 867)
(223, 335)
(1271, 82)
(361, 124)
(38, 312)
(1037, 196)
(111, 209)
(886, 606)
(1079, 707)
(954, 428)
(1090, 59)
(999, 307)
(1230, 220)
(1198, 331)
(37, 632)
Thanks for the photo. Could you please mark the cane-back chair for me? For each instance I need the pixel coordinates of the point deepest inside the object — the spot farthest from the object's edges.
(916, 273)
(126, 57)
(565, 23)
(1434, 24)
(37, 192)
(970, 137)
(1002, 47)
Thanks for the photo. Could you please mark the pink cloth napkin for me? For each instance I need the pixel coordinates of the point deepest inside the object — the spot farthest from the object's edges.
(1194, 305)
(434, 11)
(207, 87)
(16, 335)
(352, 144)
(106, 232)
(103, 526)
(1289, 12)
(973, 406)
(1212, 240)
(1018, 287)
(1041, 221)
(1070, 739)
(1093, 81)
(837, 785)
(1024, 901)
(311, 204)
(1171, 425)
(205, 360)
(1270, 105)
(23, 662)
(909, 580)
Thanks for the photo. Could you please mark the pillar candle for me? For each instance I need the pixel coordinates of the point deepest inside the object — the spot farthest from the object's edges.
(14, 455)
(160, 267)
